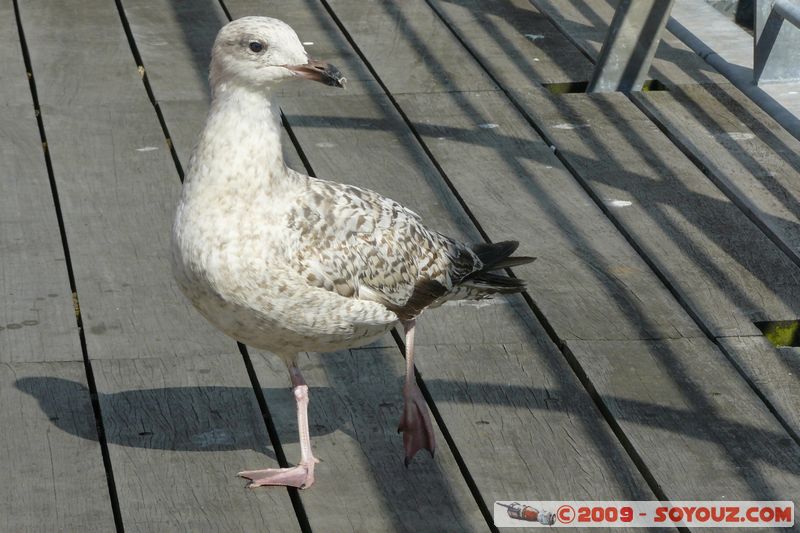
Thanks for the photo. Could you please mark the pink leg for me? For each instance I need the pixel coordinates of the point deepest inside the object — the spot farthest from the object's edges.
(302, 475)
(415, 422)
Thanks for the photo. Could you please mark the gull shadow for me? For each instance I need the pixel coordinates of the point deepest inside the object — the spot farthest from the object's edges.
(193, 418)
(196, 419)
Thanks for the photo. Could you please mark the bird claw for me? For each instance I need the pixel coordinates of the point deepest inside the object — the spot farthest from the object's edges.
(415, 424)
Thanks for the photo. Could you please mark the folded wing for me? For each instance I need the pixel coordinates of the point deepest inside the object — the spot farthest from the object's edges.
(362, 245)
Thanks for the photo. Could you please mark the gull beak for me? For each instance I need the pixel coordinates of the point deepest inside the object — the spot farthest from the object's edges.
(319, 71)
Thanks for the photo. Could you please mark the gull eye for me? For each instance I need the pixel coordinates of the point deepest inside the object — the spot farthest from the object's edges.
(256, 46)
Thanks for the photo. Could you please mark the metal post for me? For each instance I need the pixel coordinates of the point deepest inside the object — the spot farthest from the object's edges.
(777, 45)
(629, 46)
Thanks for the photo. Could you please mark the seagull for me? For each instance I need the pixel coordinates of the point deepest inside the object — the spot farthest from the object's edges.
(289, 263)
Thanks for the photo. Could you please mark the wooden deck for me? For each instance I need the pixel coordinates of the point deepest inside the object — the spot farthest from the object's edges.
(665, 224)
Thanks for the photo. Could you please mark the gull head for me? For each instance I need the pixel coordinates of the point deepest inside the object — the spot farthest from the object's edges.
(257, 52)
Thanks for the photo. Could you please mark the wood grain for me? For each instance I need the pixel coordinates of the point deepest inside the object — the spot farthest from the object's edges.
(50, 476)
(178, 431)
(118, 186)
(775, 371)
(52, 468)
(515, 34)
(746, 152)
(37, 321)
(724, 268)
(681, 395)
(587, 280)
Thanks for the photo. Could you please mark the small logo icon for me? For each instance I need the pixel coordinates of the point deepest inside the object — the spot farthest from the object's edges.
(517, 511)
(565, 514)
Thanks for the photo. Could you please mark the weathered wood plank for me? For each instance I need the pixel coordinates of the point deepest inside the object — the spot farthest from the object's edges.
(362, 483)
(672, 394)
(725, 269)
(112, 214)
(66, 46)
(49, 476)
(516, 34)
(587, 280)
(178, 431)
(117, 188)
(401, 29)
(745, 151)
(755, 162)
(676, 215)
(37, 322)
(587, 21)
(52, 468)
(773, 370)
(175, 55)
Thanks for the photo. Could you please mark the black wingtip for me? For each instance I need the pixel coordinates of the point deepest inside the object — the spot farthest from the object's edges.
(512, 262)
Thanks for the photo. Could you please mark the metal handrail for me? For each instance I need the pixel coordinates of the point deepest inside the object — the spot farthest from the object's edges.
(771, 37)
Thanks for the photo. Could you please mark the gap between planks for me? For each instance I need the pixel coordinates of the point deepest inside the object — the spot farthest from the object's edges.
(112, 490)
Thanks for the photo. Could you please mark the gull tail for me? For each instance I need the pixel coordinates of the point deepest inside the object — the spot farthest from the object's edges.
(483, 282)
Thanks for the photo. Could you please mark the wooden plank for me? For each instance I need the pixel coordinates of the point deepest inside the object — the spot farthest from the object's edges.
(175, 55)
(65, 45)
(586, 22)
(178, 431)
(117, 188)
(52, 468)
(671, 395)
(587, 280)
(755, 162)
(516, 34)
(37, 322)
(399, 29)
(16, 90)
(743, 271)
(362, 483)
(746, 152)
(724, 268)
(773, 370)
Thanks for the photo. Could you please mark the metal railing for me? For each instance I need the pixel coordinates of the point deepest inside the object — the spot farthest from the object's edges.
(777, 45)
(629, 45)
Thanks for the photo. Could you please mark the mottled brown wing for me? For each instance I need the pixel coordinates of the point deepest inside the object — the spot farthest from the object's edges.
(362, 245)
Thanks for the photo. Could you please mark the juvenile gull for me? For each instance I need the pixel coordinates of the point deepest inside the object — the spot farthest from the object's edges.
(289, 263)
